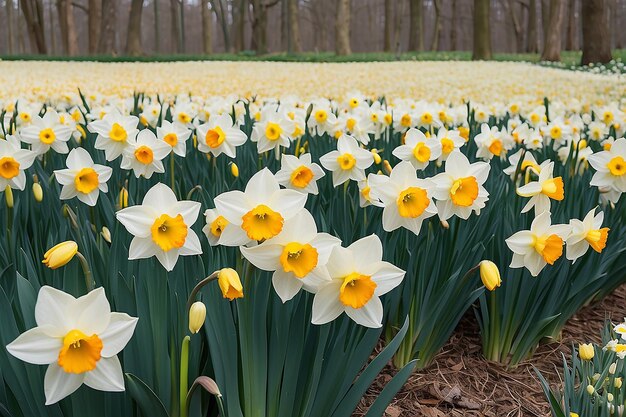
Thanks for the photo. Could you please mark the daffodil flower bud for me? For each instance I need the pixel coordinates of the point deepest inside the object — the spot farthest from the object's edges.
(8, 195)
(586, 351)
(197, 315)
(572, 414)
(60, 254)
(387, 167)
(377, 158)
(612, 368)
(609, 397)
(230, 284)
(617, 383)
(234, 169)
(37, 192)
(590, 389)
(122, 198)
(106, 234)
(490, 275)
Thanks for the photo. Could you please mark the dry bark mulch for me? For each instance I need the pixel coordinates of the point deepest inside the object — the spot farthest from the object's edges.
(461, 382)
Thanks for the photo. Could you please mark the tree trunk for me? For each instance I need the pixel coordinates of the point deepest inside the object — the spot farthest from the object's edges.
(571, 26)
(388, 25)
(133, 38)
(517, 27)
(33, 15)
(596, 41)
(482, 35)
(107, 44)
(398, 25)
(9, 9)
(617, 31)
(175, 25)
(222, 18)
(93, 21)
(237, 29)
(342, 28)
(207, 45)
(532, 45)
(545, 20)
(434, 45)
(416, 40)
(552, 38)
(284, 27)
(157, 28)
(294, 25)
(454, 30)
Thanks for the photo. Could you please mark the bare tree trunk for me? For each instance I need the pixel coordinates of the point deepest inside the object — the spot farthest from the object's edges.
(93, 21)
(517, 27)
(545, 21)
(552, 38)
(222, 18)
(388, 25)
(617, 31)
(482, 35)
(9, 9)
(342, 28)
(294, 25)
(52, 29)
(434, 45)
(416, 39)
(453, 29)
(21, 47)
(398, 25)
(596, 41)
(157, 28)
(107, 42)
(33, 15)
(284, 27)
(532, 45)
(571, 26)
(174, 25)
(239, 8)
(133, 38)
(207, 45)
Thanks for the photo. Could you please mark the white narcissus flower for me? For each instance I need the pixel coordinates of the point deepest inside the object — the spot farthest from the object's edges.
(82, 178)
(273, 130)
(418, 149)
(260, 211)
(220, 135)
(610, 166)
(299, 174)
(348, 162)
(586, 233)
(13, 161)
(459, 190)
(79, 339)
(358, 277)
(297, 256)
(175, 135)
(144, 154)
(46, 132)
(539, 246)
(541, 191)
(406, 198)
(161, 227)
(114, 132)
(490, 142)
(322, 119)
(528, 162)
(450, 141)
(215, 226)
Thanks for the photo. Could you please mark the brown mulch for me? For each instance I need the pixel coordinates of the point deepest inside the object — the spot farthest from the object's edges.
(461, 382)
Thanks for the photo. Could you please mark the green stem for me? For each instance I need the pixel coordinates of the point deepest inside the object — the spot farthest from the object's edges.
(493, 353)
(220, 405)
(89, 281)
(198, 287)
(184, 375)
(172, 170)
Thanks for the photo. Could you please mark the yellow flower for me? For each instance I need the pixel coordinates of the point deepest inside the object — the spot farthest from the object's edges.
(60, 254)
(234, 169)
(106, 234)
(8, 195)
(197, 315)
(490, 275)
(586, 351)
(572, 414)
(122, 198)
(38, 192)
(230, 284)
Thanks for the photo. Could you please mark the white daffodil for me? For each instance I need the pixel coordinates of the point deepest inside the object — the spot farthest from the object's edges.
(610, 166)
(82, 178)
(220, 135)
(144, 154)
(490, 142)
(184, 112)
(297, 256)
(586, 233)
(46, 132)
(299, 174)
(79, 339)
(348, 162)
(529, 162)
(13, 161)
(215, 226)
(175, 135)
(260, 211)
(114, 132)
(358, 277)
(322, 119)
(161, 227)
(418, 149)
(541, 191)
(406, 198)
(459, 190)
(272, 131)
(539, 246)
(357, 125)
(450, 141)
(365, 198)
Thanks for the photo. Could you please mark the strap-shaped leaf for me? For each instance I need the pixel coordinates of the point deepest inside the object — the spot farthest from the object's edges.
(146, 399)
(391, 389)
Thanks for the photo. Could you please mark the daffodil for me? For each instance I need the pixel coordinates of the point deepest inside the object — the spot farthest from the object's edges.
(60, 254)
(539, 246)
(260, 211)
(492, 142)
(161, 227)
(322, 119)
(230, 283)
(610, 166)
(585, 234)
(450, 141)
(13, 161)
(197, 315)
(220, 135)
(418, 149)
(82, 178)
(46, 132)
(490, 275)
(272, 131)
(215, 226)
(296, 255)
(299, 173)
(348, 162)
(114, 133)
(144, 154)
(586, 351)
(184, 112)
(407, 200)
(79, 339)
(529, 162)
(459, 190)
(175, 135)
(543, 190)
(358, 277)
(357, 125)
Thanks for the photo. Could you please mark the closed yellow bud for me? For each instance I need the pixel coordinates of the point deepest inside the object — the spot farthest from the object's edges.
(609, 397)
(60, 254)
(234, 169)
(106, 234)
(387, 167)
(572, 414)
(590, 389)
(230, 284)
(613, 368)
(586, 351)
(122, 198)
(490, 275)
(197, 314)
(618, 383)
(8, 195)
(37, 192)
(377, 158)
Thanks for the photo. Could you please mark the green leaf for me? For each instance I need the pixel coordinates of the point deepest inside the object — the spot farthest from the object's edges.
(391, 389)
(145, 398)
